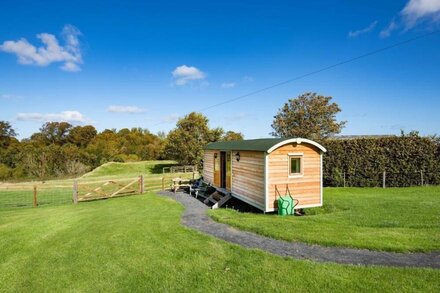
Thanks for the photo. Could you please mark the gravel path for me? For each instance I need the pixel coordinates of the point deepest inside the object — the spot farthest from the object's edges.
(195, 217)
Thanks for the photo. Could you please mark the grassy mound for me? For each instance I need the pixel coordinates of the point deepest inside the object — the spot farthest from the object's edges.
(129, 169)
(138, 244)
(393, 219)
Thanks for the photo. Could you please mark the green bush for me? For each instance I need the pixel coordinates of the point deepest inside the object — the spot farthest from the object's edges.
(5, 172)
(363, 160)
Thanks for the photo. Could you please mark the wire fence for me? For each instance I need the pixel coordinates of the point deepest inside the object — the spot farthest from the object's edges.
(23, 195)
(19, 195)
(382, 179)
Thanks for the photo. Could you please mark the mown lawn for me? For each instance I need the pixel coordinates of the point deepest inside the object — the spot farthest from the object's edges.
(393, 219)
(137, 244)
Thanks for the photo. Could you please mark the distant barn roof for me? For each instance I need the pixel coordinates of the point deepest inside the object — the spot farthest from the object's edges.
(263, 144)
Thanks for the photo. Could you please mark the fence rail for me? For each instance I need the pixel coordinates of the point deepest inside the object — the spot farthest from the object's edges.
(382, 179)
(179, 169)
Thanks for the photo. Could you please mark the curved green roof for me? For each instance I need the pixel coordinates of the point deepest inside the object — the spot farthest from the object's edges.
(262, 144)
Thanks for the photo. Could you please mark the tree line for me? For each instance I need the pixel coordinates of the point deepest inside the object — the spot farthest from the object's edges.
(60, 149)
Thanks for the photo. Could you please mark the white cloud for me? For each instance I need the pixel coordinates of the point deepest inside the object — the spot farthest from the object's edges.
(386, 32)
(416, 10)
(70, 66)
(51, 51)
(228, 85)
(68, 116)
(353, 34)
(10, 97)
(184, 74)
(125, 109)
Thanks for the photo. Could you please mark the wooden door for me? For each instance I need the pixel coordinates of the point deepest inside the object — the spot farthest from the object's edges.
(228, 170)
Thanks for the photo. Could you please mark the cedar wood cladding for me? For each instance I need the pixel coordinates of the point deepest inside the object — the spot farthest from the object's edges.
(248, 177)
(248, 174)
(208, 166)
(306, 188)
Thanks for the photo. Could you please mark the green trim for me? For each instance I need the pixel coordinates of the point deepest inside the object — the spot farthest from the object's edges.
(260, 145)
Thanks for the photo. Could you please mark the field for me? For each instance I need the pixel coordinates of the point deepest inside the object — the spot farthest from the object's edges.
(138, 244)
(55, 192)
(392, 219)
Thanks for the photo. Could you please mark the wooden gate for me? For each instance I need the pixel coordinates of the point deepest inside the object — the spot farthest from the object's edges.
(89, 190)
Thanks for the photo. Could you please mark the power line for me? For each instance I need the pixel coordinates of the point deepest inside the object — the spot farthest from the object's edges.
(370, 53)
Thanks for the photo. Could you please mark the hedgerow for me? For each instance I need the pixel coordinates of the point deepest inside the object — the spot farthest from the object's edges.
(406, 160)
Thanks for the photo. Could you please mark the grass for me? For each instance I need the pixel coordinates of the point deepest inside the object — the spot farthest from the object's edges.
(393, 219)
(129, 169)
(138, 244)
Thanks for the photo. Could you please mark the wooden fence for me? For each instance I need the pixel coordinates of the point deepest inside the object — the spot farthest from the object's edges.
(38, 194)
(86, 191)
(93, 190)
(180, 169)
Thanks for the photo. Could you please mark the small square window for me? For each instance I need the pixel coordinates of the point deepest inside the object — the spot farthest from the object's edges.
(295, 165)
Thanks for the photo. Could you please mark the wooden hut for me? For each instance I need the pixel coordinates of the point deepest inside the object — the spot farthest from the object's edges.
(257, 171)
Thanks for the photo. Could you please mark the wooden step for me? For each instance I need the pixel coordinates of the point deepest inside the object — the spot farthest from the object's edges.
(213, 198)
(222, 201)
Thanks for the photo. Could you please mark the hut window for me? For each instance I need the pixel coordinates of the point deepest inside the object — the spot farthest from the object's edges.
(295, 165)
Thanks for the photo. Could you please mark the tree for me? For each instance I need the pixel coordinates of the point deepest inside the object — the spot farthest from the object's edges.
(5, 172)
(231, 135)
(7, 133)
(309, 116)
(55, 132)
(186, 142)
(82, 135)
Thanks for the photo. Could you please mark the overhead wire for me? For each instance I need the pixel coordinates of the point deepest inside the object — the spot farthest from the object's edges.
(317, 71)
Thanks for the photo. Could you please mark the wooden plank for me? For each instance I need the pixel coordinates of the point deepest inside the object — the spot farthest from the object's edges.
(35, 196)
(123, 188)
(91, 190)
(75, 192)
(222, 201)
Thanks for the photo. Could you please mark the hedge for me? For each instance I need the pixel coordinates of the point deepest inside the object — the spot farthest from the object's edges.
(362, 161)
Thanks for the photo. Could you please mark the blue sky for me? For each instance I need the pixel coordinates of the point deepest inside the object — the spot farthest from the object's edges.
(118, 64)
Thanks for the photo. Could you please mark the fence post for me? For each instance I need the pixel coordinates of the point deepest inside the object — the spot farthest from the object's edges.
(344, 179)
(384, 179)
(421, 178)
(75, 192)
(35, 196)
(163, 183)
(141, 184)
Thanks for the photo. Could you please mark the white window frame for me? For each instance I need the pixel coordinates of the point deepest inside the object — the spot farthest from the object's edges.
(299, 156)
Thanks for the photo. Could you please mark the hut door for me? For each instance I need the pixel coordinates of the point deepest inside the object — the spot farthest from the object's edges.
(217, 170)
(228, 170)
